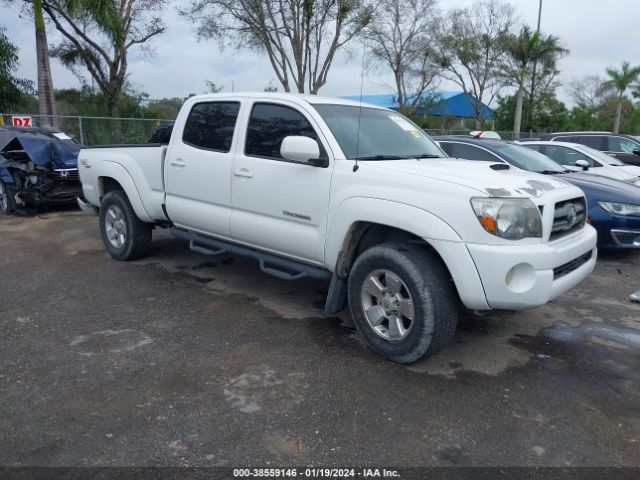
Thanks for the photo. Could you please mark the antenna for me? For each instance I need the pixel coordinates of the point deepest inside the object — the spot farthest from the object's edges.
(364, 52)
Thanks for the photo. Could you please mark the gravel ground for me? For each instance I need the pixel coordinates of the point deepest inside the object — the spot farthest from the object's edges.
(185, 360)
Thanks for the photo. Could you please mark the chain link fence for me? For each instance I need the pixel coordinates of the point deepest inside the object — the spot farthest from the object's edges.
(91, 130)
(111, 131)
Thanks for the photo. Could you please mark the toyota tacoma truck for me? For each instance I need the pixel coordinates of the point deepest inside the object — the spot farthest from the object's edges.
(354, 194)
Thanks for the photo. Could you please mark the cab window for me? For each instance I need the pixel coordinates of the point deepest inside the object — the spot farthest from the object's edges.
(269, 124)
(210, 125)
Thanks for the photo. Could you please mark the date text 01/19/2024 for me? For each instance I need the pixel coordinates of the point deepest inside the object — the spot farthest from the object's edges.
(314, 473)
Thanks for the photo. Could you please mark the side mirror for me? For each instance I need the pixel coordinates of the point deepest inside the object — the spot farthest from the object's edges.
(299, 149)
(637, 151)
(582, 163)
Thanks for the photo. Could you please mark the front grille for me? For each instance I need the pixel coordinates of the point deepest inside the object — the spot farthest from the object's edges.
(67, 174)
(569, 216)
(569, 267)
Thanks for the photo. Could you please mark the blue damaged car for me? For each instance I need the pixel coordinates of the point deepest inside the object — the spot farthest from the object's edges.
(613, 206)
(38, 168)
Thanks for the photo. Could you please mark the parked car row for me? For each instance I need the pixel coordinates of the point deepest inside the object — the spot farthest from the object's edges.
(613, 205)
(623, 147)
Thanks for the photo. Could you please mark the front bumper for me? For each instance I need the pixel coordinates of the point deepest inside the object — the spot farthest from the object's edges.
(527, 276)
(615, 231)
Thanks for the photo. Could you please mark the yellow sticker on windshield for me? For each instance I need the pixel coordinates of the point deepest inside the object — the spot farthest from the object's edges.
(415, 133)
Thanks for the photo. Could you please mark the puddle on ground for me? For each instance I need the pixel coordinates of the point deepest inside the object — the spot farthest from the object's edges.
(563, 332)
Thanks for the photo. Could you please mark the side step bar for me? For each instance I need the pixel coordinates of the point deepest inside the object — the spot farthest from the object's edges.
(279, 267)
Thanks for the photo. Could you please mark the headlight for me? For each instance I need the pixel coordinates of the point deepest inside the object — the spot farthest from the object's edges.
(510, 218)
(620, 208)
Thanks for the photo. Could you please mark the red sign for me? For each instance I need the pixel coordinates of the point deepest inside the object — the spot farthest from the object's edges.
(21, 121)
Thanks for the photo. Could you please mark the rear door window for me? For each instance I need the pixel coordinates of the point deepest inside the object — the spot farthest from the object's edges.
(593, 141)
(621, 145)
(210, 125)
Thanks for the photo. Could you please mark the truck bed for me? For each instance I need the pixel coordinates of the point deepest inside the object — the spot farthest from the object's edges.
(143, 164)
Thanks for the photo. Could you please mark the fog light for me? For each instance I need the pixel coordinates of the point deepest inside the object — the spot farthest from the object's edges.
(521, 278)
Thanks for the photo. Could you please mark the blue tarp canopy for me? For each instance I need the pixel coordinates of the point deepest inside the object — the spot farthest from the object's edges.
(453, 104)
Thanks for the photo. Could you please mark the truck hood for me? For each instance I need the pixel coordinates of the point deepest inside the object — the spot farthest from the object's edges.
(478, 175)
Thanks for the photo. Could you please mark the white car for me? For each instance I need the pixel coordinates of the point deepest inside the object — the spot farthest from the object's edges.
(331, 189)
(577, 157)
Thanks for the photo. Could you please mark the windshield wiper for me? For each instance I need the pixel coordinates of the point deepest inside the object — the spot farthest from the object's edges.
(382, 157)
(552, 172)
(426, 155)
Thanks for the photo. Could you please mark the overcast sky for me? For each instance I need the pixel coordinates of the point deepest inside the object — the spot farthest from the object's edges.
(597, 33)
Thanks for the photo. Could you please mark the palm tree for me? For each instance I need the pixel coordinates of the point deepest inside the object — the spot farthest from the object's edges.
(526, 49)
(619, 81)
(46, 100)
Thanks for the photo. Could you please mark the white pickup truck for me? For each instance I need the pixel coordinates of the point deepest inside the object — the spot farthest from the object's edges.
(332, 189)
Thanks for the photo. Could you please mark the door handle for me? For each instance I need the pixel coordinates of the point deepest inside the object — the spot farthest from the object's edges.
(178, 162)
(243, 173)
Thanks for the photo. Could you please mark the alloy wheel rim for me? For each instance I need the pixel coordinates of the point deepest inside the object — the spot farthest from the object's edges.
(115, 226)
(387, 305)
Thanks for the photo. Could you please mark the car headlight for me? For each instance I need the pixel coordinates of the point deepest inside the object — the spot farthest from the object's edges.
(510, 218)
(621, 208)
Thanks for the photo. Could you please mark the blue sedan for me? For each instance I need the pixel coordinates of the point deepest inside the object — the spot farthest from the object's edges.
(614, 206)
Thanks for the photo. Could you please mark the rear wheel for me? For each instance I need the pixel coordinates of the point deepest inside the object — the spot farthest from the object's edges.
(7, 200)
(402, 301)
(125, 236)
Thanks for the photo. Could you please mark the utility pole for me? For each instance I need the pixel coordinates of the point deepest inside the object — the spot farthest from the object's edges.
(533, 73)
(539, 14)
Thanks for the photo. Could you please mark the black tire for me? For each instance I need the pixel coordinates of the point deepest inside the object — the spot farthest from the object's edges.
(138, 233)
(7, 199)
(433, 294)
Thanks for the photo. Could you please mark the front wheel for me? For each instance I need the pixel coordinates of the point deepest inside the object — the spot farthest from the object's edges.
(125, 236)
(402, 301)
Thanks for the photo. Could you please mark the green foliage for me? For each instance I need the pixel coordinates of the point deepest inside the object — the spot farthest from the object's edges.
(620, 80)
(13, 91)
(529, 47)
(550, 114)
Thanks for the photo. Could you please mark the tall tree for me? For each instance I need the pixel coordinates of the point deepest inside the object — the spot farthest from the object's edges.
(12, 88)
(300, 37)
(46, 100)
(98, 35)
(525, 50)
(587, 91)
(400, 36)
(471, 49)
(619, 82)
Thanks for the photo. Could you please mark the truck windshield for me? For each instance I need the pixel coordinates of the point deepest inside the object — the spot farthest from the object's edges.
(376, 134)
